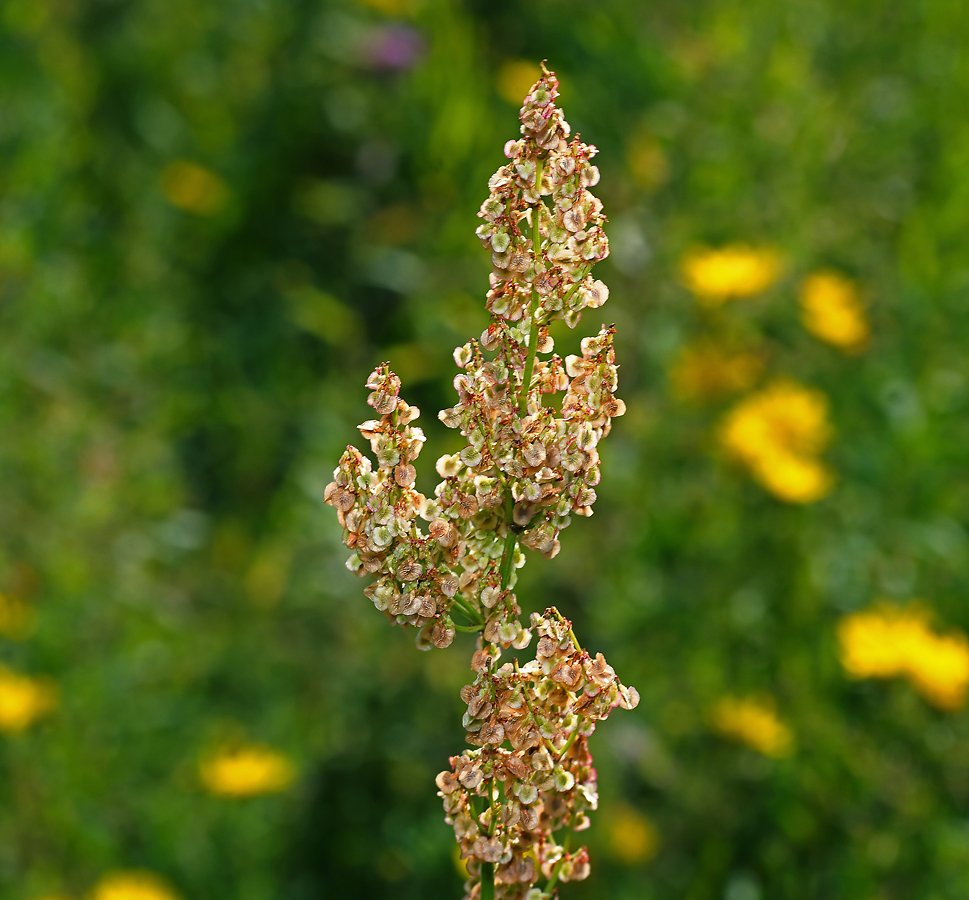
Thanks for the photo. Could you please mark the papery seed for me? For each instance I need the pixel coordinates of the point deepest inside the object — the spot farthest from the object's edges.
(410, 570)
(405, 474)
(442, 633)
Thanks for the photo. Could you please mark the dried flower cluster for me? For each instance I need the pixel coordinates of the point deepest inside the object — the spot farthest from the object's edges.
(527, 467)
(544, 781)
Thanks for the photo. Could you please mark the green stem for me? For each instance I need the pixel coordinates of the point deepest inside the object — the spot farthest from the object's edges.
(529, 361)
(568, 744)
(533, 331)
(493, 824)
(575, 287)
(470, 629)
(488, 869)
(467, 610)
(487, 881)
(531, 711)
(507, 557)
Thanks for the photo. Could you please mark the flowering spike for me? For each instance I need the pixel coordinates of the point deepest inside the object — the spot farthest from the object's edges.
(525, 469)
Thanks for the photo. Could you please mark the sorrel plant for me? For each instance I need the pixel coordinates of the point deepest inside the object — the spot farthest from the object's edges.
(530, 464)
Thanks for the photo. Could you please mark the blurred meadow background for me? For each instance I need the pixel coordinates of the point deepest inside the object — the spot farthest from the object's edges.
(216, 217)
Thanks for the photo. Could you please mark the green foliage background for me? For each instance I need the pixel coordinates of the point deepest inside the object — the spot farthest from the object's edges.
(175, 390)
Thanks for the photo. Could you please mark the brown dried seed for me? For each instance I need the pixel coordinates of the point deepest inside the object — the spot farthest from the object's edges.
(451, 417)
(614, 407)
(411, 605)
(516, 767)
(444, 533)
(480, 706)
(567, 674)
(428, 607)
(342, 499)
(553, 551)
(481, 661)
(547, 646)
(471, 778)
(372, 563)
(405, 474)
(522, 869)
(447, 782)
(522, 513)
(511, 813)
(467, 506)
(492, 498)
(488, 849)
(534, 453)
(492, 733)
(448, 584)
(410, 570)
(442, 633)
(519, 262)
(383, 402)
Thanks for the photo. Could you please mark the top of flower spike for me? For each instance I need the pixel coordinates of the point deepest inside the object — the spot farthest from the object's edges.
(542, 121)
(531, 463)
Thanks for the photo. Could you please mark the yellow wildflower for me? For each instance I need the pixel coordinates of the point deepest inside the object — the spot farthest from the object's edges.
(716, 276)
(515, 79)
(247, 771)
(23, 700)
(16, 618)
(777, 433)
(753, 723)
(706, 371)
(874, 642)
(632, 837)
(193, 188)
(885, 642)
(132, 885)
(831, 310)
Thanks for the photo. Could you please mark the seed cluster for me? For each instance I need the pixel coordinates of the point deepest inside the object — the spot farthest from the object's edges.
(544, 782)
(448, 562)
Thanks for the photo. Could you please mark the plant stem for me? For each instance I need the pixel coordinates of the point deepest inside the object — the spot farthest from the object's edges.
(467, 610)
(533, 331)
(575, 287)
(487, 881)
(568, 744)
(528, 705)
(507, 556)
(511, 539)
